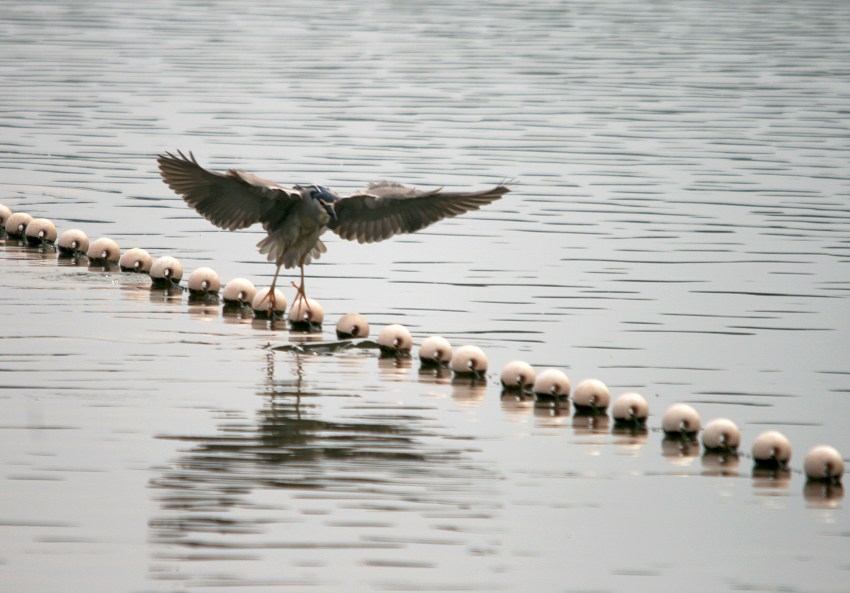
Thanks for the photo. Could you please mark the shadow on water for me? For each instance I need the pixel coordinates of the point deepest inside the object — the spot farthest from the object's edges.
(257, 485)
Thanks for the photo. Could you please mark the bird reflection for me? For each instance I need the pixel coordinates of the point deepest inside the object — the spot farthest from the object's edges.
(289, 448)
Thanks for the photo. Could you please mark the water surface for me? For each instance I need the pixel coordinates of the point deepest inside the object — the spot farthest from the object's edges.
(678, 226)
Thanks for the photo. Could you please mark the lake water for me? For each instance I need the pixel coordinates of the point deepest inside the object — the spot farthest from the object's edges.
(679, 225)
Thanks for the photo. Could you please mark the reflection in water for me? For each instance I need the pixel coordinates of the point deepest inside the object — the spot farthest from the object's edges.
(720, 464)
(379, 467)
(517, 405)
(679, 450)
(468, 391)
(823, 495)
(769, 481)
(589, 424)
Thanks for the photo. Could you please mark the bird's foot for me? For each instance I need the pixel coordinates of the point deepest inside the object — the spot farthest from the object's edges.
(301, 296)
(271, 300)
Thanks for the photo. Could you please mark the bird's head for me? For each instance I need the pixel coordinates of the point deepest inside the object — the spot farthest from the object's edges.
(325, 197)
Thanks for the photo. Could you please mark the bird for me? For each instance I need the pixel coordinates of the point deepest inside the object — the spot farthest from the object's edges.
(296, 217)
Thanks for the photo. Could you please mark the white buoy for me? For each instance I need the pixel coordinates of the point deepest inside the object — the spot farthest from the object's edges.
(260, 302)
(772, 449)
(73, 242)
(824, 463)
(306, 314)
(41, 231)
(239, 291)
(5, 213)
(592, 396)
(552, 383)
(395, 339)
(16, 224)
(435, 351)
(104, 250)
(630, 409)
(352, 325)
(469, 360)
(680, 419)
(721, 434)
(166, 270)
(135, 260)
(204, 280)
(517, 376)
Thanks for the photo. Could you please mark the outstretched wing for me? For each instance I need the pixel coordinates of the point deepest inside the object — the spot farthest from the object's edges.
(233, 200)
(387, 209)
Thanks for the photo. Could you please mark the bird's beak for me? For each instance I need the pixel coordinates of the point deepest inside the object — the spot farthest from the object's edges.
(329, 208)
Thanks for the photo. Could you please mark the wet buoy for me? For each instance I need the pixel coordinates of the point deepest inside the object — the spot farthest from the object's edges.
(73, 242)
(395, 339)
(824, 463)
(352, 325)
(469, 360)
(104, 251)
(680, 420)
(630, 409)
(204, 280)
(166, 270)
(772, 450)
(721, 434)
(435, 351)
(260, 303)
(40, 231)
(239, 291)
(5, 213)
(135, 260)
(16, 224)
(552, 383)
(517, 376)
(307, 315)
(591, 396)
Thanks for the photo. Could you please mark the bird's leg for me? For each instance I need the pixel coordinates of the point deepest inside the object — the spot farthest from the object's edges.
(301, 294)
(270, 294)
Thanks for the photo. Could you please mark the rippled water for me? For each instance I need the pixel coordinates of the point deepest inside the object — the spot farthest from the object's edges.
(679, 225)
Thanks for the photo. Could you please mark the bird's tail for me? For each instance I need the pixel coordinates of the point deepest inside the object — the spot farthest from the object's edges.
(289, 258)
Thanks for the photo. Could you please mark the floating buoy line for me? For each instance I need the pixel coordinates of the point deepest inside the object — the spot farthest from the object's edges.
(681, 424)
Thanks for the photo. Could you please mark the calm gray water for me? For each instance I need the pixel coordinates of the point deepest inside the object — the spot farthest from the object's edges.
(679, 225)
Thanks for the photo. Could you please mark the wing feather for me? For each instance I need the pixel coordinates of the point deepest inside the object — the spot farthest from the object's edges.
(232, 200)
(387, 209)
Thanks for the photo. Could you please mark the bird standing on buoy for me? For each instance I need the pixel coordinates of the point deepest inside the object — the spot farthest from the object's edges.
(296, 217)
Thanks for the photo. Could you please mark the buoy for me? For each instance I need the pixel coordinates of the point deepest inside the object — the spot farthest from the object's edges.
(824, 463)
(104, 251)
(552, 383)
(352, 325)
(73, 242)
(166, 270)
(40, 231)
(239, 291)
(517, 376)
(772, 450)
(630, 409)
(16, 224)
(307, 315)
(435, 351)
(260, 303)
(135, 260)
(204, 280)
(469, 360)
(5, 213)
(680, 420)
(395, 339)
(591, 396)
(721, 434)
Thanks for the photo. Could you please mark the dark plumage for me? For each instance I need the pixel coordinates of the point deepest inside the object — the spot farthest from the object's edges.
(296, 217)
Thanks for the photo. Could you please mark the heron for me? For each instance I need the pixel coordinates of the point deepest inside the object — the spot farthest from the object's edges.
(296, 217)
